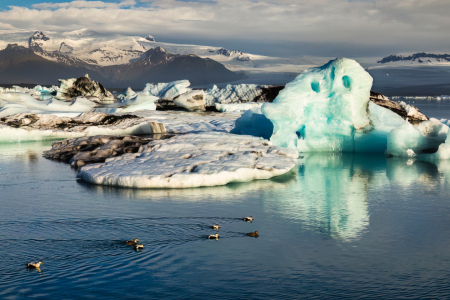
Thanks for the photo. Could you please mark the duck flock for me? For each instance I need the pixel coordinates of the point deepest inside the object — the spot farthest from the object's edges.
(137, 247)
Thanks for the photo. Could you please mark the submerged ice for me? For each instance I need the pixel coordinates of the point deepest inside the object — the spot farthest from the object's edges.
(328, 109)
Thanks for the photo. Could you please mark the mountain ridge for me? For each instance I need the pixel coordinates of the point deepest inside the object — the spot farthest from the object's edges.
(419, 57)
(35, 65)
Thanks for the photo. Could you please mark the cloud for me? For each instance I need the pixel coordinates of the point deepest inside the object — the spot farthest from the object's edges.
(400, 24)
(84, 4)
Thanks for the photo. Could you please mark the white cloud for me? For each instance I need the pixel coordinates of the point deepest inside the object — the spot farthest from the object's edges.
(84, 4)
(380, 23)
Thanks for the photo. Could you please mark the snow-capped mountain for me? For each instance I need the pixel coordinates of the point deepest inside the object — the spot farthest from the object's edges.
(33, 65)
(113, 49)
(420, 58)
(89, 46)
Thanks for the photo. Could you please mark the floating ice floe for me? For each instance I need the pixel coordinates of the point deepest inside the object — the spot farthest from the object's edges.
(182, 122)
(327, 109)
(15, 103)
(194, 160)
(33, 127)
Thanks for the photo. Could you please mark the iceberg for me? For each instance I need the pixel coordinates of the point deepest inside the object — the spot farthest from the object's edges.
(232, 94)
(328, 109)
(193, 160)
(409, 140)
(142, 101)
(168, 91)
(130, 101)
(126, 94)
(83, 86)
(322, 108)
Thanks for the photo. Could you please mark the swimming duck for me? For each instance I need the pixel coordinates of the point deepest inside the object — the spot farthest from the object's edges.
(248, 219)
(34, 265)
(132, 242)
(253, 234)
(213, 236)
(215, 227)
(138, 247)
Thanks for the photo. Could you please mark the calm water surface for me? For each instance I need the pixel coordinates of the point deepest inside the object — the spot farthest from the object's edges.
(339, 226)
(432, 108)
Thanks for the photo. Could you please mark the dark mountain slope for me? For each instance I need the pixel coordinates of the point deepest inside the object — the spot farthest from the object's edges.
(21, 65)
(157, 65)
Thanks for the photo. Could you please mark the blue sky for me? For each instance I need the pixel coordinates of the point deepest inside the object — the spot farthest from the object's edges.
(273, 27)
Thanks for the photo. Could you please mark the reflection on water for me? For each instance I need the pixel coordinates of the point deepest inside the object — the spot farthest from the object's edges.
(332, 193)
(215, 193)
(332, 189)
(321, 228)
(406, 172)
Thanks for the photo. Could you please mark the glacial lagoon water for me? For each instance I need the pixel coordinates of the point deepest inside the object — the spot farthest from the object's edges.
(339, 226)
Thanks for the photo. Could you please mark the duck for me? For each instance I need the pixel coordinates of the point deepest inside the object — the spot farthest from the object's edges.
(34, 265)
(253, 234)
(248, 219)
(215, 227)
(138, 247)
(132, 242)
(213, 236)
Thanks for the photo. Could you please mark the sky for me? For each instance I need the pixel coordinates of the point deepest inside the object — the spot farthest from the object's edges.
(287, 28)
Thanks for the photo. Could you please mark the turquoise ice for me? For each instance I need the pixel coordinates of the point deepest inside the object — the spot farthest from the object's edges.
(328, 109)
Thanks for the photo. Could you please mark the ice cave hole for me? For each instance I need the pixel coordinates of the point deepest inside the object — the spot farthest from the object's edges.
(315, 86)
(346, 81)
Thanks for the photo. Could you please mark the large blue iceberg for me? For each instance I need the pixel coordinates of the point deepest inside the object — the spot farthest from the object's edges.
(328, 109)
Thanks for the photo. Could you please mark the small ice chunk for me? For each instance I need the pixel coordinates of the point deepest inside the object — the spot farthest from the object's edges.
(238, 107)
(193, 100)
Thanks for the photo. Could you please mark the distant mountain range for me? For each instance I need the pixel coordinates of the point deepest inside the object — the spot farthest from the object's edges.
(19, 64)
(119, 61)
(417, 58)
(104, 49)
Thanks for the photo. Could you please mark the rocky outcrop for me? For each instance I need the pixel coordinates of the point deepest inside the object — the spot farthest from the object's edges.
(85, 87)
(228, 53)
(420, 57)
(38, 39)
(268, 93)
(402, 109)
(95, 149)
